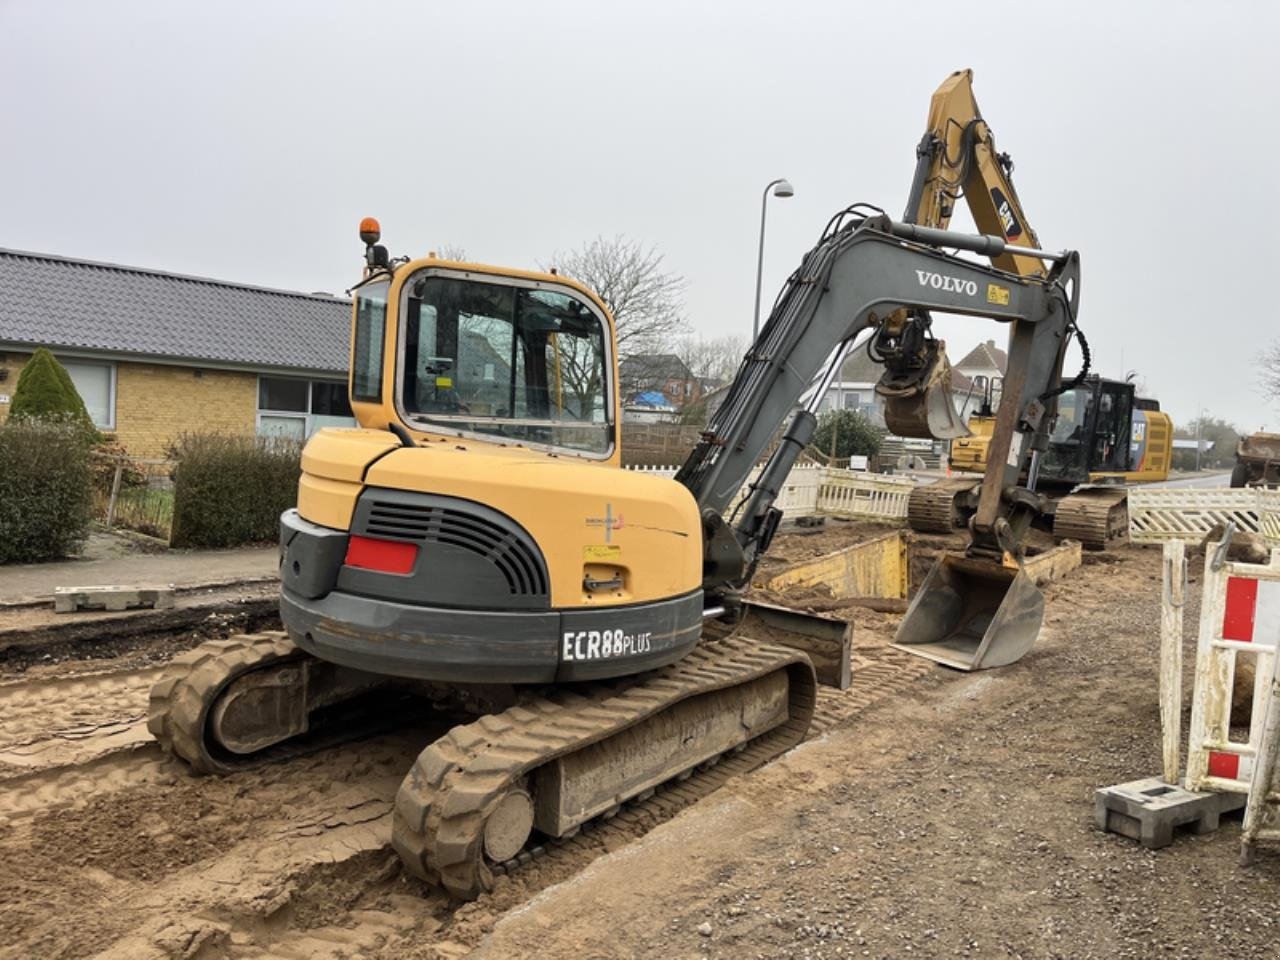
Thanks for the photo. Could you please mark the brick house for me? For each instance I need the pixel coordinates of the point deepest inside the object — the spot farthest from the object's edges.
(663, 373)
(154, 354)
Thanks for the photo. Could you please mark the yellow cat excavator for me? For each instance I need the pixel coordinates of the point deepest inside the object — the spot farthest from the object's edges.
(1104, 436)
(473, 543)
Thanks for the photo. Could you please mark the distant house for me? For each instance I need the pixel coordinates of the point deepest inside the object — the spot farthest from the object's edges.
(854, 387)
(154, 354)
(663, 373)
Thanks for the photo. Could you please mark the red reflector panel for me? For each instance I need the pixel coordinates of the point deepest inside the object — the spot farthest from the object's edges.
(1242, 600)
(1225, 765)
(385, 556)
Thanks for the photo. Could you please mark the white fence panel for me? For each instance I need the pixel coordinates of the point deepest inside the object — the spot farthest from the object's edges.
(814, 489)
(849, 493)
(1159, 514)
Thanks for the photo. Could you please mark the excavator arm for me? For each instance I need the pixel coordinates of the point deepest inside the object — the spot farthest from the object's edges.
(875, 274)
(956, 158)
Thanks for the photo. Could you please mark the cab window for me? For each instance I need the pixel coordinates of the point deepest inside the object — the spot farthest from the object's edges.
(514, 362)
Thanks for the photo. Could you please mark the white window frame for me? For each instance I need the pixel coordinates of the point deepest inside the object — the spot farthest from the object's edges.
(111, 385)
(307, 417)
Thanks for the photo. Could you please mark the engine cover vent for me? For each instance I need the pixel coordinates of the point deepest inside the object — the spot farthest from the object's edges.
(468, 552)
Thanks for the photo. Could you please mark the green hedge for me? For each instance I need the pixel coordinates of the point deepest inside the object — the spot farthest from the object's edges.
(45, 490)
(851, 433)
(230, 491)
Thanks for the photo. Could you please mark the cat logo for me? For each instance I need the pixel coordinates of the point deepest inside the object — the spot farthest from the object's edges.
(1008, 220)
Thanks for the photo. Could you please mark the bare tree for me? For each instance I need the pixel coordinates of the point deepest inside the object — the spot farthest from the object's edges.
(716, 358)
(1268, 363)
(451, 251)
(647, 302)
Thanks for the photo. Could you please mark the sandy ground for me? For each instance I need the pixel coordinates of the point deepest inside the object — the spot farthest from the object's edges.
(940, 814)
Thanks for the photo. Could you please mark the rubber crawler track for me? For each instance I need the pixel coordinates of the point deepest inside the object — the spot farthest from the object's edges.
(1089, 516)
(886, 672)
(188, 688)
(456, 782)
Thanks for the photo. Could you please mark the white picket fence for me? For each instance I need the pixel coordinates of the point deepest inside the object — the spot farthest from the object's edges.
(1185, 513)
(811, 489)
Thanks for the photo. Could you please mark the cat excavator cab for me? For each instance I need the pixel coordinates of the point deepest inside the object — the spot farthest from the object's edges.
(475, 544)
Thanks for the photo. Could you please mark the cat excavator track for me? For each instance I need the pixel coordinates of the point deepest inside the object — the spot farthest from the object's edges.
(1096, 516)
(935, 508)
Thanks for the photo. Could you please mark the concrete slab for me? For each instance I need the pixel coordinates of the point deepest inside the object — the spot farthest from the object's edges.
(1149, 810)
(114, 598)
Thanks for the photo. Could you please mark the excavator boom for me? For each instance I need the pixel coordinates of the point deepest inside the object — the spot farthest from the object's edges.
(872, 273)
(956, 158)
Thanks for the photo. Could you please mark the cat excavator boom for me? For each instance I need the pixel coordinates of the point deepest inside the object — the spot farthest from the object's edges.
(1125, 439)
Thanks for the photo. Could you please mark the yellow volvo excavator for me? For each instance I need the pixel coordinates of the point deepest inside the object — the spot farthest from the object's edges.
(474, 544)
(1104, 436)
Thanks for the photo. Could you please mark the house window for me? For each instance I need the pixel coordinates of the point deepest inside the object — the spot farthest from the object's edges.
(852, 401)
(96, 384)
(295, 408)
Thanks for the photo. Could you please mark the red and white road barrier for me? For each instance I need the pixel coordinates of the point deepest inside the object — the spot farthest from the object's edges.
(1239, 617)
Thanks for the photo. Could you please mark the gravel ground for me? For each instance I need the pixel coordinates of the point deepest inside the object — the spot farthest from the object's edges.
(950, 817)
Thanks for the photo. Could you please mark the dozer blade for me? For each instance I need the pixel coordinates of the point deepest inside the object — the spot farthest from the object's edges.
(972, 615)
(923, 408)
(826, 640)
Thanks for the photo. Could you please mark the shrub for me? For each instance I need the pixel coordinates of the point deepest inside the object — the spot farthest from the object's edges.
(45, 501)
(853, 432)
(230, 491)
(45, 392)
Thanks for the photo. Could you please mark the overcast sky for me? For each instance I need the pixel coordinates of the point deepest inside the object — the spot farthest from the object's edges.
(244, 141)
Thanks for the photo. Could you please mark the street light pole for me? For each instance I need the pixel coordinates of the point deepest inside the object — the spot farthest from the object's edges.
(781, 188)
(1199, 424)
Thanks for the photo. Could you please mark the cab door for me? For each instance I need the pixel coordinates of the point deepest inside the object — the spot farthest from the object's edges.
(1113, 424)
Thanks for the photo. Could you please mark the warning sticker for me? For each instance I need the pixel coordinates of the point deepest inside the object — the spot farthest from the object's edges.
(1015, 450)
(997, 294)
(598, 552)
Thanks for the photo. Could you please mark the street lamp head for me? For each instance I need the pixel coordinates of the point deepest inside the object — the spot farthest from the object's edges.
(784, 189)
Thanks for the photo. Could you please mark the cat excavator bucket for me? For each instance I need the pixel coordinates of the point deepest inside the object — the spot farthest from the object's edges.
(972, 614)
(918, 403)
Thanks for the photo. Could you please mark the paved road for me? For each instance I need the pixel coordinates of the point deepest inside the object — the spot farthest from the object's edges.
(1199, 480)
(182, 568)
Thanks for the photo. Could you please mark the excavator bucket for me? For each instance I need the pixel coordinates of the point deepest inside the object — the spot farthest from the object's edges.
(972, 614)
(923, 407)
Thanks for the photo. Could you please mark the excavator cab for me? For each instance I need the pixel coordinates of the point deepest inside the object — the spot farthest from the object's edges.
(1092, 432)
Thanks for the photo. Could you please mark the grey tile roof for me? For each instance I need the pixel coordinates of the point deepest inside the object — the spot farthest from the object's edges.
(58, 302)
(654, 366)
(985, 356)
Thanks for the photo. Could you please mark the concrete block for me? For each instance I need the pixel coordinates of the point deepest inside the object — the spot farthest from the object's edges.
(71, 599)
(1149, 810)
